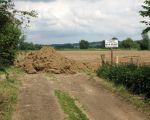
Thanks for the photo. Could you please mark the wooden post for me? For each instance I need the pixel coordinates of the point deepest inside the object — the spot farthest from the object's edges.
(112, 56)
(131, 60)
(117, 59)
(103, 59)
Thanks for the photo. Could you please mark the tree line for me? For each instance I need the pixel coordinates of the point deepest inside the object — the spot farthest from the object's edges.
(128, 43)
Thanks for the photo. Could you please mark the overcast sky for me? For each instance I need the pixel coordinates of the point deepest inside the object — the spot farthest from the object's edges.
(68, 21)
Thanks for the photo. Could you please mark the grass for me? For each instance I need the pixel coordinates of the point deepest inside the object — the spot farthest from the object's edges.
(70, 108)
(123, 93)
(9, 90)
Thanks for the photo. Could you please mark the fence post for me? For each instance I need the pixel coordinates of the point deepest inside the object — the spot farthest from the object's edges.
(117, 59)
(103, 58)
(112, 56)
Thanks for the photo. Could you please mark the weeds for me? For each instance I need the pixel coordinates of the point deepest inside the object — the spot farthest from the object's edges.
(9, 90)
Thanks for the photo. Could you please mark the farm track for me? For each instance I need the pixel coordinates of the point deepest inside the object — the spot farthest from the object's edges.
(37, 100)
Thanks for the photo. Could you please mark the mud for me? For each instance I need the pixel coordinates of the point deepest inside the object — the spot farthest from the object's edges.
(48, 60)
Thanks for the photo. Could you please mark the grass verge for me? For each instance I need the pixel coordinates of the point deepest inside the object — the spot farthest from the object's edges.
(70, 108)
(9, 90)
(123, 93)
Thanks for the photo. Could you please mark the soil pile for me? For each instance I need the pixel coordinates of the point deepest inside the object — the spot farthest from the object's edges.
(48, 60)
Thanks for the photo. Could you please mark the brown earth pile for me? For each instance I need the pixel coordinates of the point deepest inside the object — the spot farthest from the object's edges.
(48, 60)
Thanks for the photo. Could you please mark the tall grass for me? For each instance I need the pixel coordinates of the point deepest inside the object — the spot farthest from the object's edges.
(135, 78)
(9, 90)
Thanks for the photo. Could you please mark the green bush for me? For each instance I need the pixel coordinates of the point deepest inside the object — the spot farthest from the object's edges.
(9, 39)
(135, 78)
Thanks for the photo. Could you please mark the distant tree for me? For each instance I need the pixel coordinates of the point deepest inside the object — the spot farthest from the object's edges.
(146, 13)
(84, 44)
(145, 42)
(128, 43)
(114, 38)
(26, 46)
(63, 46)
(103, 44)
(68, 45)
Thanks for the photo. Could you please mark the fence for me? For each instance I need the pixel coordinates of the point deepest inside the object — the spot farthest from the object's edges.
(137, 60)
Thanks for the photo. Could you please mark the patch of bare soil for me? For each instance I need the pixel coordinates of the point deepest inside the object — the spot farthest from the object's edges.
(37, 100)
(99, 103)
(47, 59)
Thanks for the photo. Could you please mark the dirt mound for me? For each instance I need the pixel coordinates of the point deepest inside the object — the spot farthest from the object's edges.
(48, 60)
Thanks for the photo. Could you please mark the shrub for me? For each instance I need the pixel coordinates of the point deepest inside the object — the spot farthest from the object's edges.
(135, 78)
(9, 39)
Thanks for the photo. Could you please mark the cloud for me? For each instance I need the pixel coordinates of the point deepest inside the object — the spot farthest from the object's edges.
(72, 20)
(36, 0)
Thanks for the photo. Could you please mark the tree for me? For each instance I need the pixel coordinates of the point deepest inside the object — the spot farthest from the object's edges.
(114, 38)
(146, 13)
(103, 44)
(29, 46)
(84, 44)
(145, 42)
(67, 45)
(128, 43)
(10, 29)
(9, 38)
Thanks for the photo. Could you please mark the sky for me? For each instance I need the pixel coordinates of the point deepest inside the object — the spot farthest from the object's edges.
(69, 21)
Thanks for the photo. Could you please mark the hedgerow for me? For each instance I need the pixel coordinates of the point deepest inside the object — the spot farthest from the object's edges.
(135, 78)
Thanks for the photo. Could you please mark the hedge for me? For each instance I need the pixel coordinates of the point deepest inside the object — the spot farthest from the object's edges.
(135, 78)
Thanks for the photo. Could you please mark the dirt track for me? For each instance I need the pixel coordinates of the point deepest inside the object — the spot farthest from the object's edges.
(37, 100)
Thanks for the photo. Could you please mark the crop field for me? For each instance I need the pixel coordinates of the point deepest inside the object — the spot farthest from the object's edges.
(94, 57)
